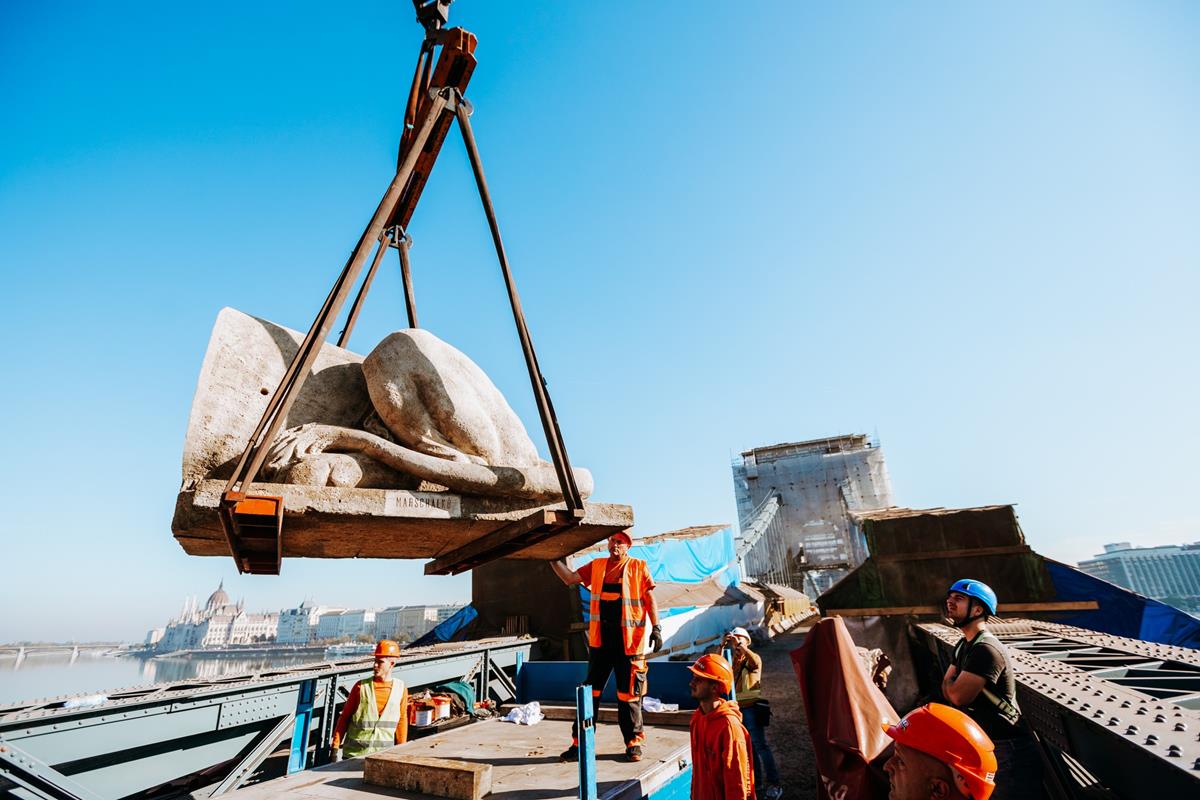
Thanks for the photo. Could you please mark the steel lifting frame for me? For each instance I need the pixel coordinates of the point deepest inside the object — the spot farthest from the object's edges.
(1121, 709)
(253, 524)
(197, 732)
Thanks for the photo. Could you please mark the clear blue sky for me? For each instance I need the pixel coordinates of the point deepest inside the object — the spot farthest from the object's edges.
(968, 227)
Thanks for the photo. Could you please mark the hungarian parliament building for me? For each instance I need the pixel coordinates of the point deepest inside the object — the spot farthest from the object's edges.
(222, 623)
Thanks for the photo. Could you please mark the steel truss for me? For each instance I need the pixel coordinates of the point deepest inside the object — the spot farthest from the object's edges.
(1124, 710)
(206, 738)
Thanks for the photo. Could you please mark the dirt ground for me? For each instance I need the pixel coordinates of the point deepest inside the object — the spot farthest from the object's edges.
(788, 731)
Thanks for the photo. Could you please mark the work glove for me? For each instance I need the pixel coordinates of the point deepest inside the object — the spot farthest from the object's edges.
(656, 638)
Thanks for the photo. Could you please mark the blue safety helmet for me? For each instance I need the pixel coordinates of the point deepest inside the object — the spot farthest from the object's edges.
(978, 590)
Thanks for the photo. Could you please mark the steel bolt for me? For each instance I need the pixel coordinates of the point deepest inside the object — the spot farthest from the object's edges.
(1141, 711)
(1126, 704)
(1181, 726)
(1174, 751)
(1131, 730)
(1152, 739)
(1160, 718)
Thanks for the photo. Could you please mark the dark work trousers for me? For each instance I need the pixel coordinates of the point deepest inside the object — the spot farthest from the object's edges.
(1019, 770)
(603, 661)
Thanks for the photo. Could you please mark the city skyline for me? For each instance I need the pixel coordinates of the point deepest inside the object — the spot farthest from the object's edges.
(967, 229)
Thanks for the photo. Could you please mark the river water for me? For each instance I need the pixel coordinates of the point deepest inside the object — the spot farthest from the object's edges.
(52, 675)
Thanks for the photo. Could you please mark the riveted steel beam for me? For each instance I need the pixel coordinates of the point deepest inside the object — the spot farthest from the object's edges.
(1122, 708)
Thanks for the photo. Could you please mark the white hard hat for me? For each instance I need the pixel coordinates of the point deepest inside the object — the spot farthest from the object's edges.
(740, 632)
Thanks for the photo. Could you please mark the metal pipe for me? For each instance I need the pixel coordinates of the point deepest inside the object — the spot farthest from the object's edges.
(356, 306)
(410, 298)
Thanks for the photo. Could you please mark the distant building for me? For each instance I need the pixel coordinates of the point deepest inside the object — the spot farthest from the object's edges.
(154, 636)
(819, 483)
(299, 625)
(221, 622)
(1170, 573)
(346, 624)
(407, 623)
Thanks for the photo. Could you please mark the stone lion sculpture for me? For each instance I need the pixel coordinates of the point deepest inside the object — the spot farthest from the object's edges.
(436, 417)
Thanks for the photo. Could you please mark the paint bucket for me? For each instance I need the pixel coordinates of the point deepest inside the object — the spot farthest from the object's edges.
(442, 707)
(421, 714)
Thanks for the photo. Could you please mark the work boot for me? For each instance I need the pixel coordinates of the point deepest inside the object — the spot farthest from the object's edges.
(570, 754)
(633, 752)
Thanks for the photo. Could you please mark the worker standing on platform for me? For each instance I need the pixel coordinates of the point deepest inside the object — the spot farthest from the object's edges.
(940, 754)
(980, 681)
(721, 750)
(375, 715)
(622, 602)
(756, 712)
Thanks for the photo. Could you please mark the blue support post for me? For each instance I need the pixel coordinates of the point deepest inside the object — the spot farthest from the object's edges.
(585, 717)
(728, 653)
(298, 759)
(517, 679)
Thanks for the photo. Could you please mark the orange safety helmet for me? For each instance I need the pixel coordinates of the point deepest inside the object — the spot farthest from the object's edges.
(715, 668)
(387, 649)
(956, 740)
(622, 535)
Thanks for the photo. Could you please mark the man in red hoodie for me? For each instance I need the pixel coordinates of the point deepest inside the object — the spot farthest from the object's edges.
(721, 750)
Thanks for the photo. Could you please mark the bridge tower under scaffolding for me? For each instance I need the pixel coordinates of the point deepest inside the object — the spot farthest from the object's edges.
(795, 505)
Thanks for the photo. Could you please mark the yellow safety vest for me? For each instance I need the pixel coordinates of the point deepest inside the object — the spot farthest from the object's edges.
(370, 731)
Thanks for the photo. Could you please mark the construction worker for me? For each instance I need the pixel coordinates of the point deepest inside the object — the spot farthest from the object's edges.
(980, 682)
(375, 715)
(721, 751)
(756, 712)
(940, 754)
(622, 602)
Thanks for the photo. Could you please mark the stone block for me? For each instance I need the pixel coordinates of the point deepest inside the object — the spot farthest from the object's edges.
(440, 777)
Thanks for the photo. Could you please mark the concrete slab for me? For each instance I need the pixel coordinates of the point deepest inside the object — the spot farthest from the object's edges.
(440, 777)
(524, 761)
(329, 522)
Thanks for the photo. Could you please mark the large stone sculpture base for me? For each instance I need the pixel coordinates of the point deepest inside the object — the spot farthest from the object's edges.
(381, 523)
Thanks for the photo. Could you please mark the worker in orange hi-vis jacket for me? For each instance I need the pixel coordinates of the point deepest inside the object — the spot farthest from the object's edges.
(721, 751)
(375, 715)
(622, 603)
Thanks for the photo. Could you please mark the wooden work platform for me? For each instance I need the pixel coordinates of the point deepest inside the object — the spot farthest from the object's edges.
(524, 763)
(327, 522)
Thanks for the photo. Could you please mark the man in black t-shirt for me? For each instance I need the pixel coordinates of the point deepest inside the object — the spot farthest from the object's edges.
(980, 681)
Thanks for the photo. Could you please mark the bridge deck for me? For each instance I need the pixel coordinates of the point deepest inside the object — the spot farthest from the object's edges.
(524, 763)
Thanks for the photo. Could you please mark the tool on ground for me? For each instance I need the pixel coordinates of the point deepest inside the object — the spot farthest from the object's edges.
(253, 523)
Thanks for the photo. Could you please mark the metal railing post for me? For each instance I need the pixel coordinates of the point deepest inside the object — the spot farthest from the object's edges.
(298, 759)
(586, 726)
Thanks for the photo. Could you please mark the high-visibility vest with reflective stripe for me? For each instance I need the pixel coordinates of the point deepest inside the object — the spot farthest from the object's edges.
(369, 730)
(633, 613)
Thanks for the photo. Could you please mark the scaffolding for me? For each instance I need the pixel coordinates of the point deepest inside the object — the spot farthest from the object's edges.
(808, 540)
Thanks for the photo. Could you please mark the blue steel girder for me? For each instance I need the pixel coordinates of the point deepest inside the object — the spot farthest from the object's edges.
(152, 736)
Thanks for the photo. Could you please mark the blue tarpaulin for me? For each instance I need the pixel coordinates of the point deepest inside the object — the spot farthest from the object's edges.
(691, 560)
(1122, 612)
(446, 630)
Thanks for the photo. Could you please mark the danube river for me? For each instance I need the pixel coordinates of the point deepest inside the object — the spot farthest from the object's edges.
(38, 676)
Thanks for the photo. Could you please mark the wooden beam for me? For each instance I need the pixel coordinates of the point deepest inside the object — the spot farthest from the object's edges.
(899, 611)
(500, 542)
(973, 552)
